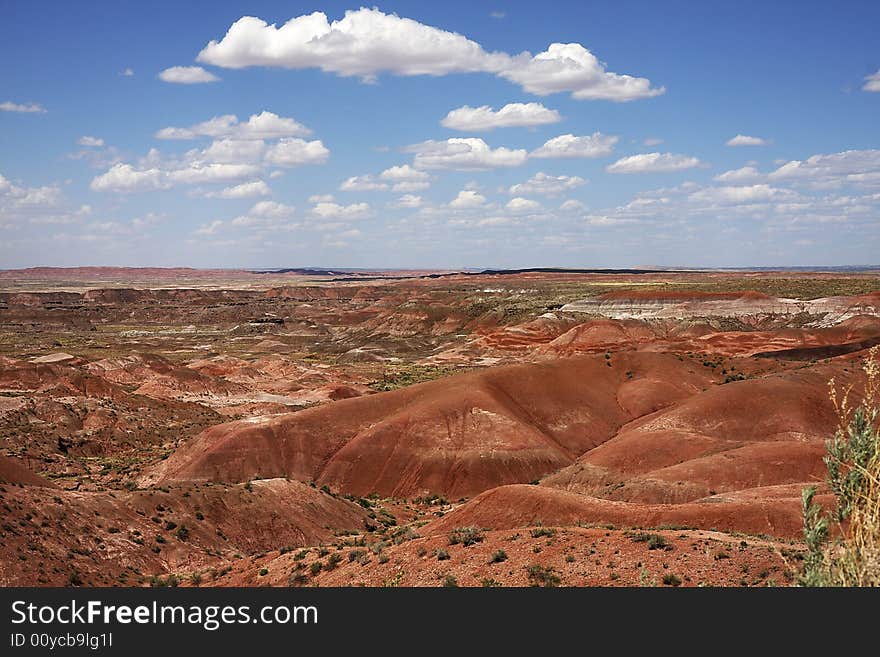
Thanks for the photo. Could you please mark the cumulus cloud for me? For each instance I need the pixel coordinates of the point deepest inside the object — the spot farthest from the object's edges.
(123, 177)
(484, 118)
(652, 141)
(127, 72)
(410, 186)
(96, 142)
(366, 42)
(362, 184)
(43, 205)
(571, 67)
(187, 75)
(23, 108)
(742, 194)
(209, 228)
(265, 125)
(408, 201)
(467, 200)
(521, 205)
(293, 152)
(244, 190)
(237, 153)
(746, 140)
(234, 150)
(363, 43)
(653, 163)
(267, 214)
(595, 145)
(464, 154)
(202, 172)
(321, 198)
(741, 175)
(572, 205)
(406, 178)
(328, 210)
(541, 183)
(858, 167)
(872, 82)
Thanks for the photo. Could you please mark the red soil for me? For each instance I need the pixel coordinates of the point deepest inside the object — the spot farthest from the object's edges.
(509, 507)
(105, 540)
(456, 436)
(12, 471)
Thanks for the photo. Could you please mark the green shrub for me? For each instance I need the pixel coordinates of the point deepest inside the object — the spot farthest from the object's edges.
(465, 536)
(670, 579)
(543, 576)
(498, 556)
(449, 581)
(853, 465)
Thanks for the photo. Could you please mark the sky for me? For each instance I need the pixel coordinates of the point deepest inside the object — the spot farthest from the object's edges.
(439, 135)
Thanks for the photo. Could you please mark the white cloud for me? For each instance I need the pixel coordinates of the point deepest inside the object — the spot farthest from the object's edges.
(484, 118)
(742, 194)
(467, 200)
(200, 172)
(653, 163)
(572, 205)
(406, 179)
(404, 173)
(187, 75)
(409, 201)
(362, 184)
(37, 205)
(327, 210)
(571, 67)
(231, 151)
(746, 140)
(24, 108)
(265, 125)
(244, 190)
(267, 214)
(294, 152)
(321, 198)
(652, 141)
(96, 142)
(410, 186)
(127, 72)
(125, 178)
(210, 228)
(363, 43)
(741, 175)
(595, 145)
(366, 42)
(541, 183)
(464, 154)
(872, 82)
(860, 167)
(521, 205)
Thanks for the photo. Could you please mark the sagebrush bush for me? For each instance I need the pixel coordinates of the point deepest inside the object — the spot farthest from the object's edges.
(853, 464)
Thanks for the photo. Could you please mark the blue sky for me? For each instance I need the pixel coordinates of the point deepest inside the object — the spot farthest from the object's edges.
(675, 133)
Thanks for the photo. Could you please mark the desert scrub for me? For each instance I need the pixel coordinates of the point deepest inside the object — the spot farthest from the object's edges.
(498, 556)
(465, 536)
(654, 541)
(671, 579)
(853, 465)
(543, 576)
